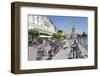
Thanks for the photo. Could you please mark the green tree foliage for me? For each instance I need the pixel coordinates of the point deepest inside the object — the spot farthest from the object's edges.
(84, 34)
(58, 37)
(34, 32)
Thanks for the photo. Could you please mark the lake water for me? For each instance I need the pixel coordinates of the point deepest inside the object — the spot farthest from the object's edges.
(84, 43)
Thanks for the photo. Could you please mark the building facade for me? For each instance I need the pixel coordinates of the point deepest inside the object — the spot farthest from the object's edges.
(41, 23)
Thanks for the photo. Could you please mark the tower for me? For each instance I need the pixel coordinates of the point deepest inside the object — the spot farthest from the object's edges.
(73, 31)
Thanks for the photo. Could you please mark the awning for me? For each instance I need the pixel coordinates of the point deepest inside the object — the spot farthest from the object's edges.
(44, 36)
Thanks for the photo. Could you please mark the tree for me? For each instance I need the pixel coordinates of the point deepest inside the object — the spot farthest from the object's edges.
(84, 34)
(34, 32)
(58, 37)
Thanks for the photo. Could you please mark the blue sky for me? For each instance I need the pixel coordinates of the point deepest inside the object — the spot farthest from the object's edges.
(65, 23)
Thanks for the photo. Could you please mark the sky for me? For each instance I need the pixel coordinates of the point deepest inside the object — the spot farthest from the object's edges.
(65, 23)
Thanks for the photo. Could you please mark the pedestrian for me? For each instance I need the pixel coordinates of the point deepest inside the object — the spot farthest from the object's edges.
(39, 54)
(50, 54)
(74, 49)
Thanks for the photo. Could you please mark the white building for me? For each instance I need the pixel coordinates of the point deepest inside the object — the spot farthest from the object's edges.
(41, 23)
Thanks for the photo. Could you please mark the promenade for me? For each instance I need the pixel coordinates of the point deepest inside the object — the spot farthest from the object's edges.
(64, 53)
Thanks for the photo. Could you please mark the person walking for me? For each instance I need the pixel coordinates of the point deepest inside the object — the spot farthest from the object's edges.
(74, 49)
(50, 54)
(39, 54)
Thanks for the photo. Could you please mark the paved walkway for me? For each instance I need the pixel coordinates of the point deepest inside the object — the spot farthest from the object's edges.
(67, 54)
(32, 53)
(62, 54)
